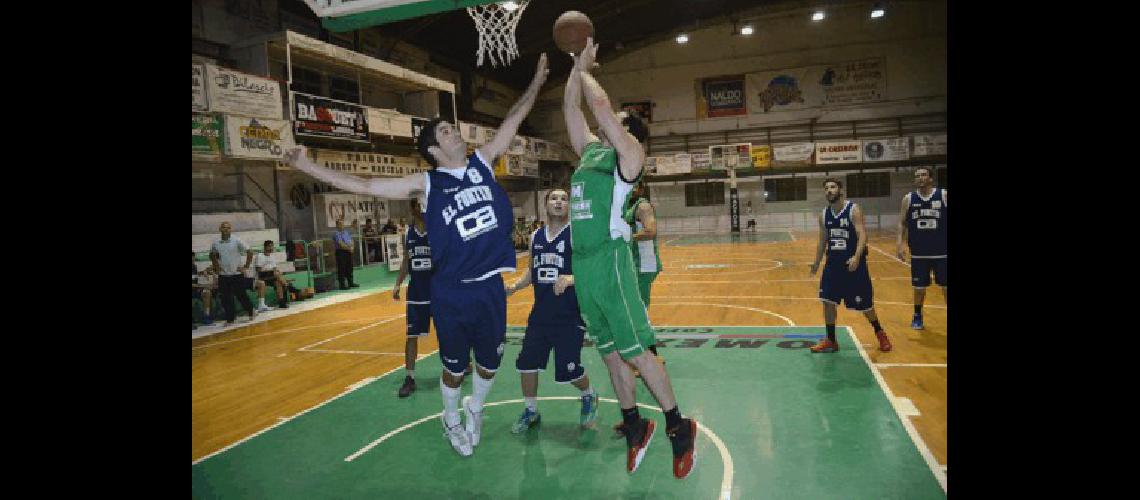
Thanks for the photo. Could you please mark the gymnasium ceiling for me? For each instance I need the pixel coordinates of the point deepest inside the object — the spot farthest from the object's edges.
(619, 25)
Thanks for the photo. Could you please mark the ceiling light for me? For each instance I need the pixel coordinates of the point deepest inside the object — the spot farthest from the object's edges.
(746, 30)
(817, 16)
(509, 6)
(877, 13)
(682, 38)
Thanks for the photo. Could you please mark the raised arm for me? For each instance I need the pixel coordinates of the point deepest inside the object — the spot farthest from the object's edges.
(515, 116)
(576, 126)
(630, 155)
(400, 188)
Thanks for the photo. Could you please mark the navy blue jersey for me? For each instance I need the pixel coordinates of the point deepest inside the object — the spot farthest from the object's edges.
(419, 265)
(550, 258)
(926, 225)
(469, 225)
(841, 235)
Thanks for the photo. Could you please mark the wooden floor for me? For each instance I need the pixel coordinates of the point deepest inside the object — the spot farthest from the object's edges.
(249, 379)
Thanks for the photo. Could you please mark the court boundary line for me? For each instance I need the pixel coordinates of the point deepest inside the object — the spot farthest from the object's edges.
(350, 332)
(896, 259)
(283, 420)
(726, 457)
(297, 308)
(916, 439)
(778, 297)
(911, 365)
(287, 330)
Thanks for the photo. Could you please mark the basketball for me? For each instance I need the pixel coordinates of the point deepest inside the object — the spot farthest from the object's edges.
(571, 30)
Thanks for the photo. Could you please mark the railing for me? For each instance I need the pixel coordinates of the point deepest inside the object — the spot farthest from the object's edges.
(797, 220)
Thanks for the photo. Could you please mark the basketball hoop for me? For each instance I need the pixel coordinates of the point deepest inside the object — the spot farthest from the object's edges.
(496, 27)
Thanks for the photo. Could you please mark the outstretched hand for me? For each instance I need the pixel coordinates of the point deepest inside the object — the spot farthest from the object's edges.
(542, 71)
(585, 60)
(294, 154)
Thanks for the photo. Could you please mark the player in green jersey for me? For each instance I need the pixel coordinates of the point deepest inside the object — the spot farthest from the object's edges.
(642, 219)
(605, 278)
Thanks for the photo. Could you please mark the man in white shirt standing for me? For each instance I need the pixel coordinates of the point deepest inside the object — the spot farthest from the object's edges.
(269, 275)
(226, 255)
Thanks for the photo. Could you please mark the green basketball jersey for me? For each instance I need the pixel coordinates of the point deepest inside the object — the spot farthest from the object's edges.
(597, 196)
(645, 249)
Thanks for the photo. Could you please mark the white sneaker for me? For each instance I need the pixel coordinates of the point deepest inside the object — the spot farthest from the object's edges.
(262, 308)
(474, 421)
(460, 439)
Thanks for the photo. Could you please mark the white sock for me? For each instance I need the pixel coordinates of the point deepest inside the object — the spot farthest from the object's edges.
(481, 388)
(411, 373)
(450, 403)
(261, 302)
(589, 390)
(532, 404)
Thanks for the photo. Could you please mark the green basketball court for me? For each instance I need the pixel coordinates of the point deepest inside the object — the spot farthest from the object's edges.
(777, 422)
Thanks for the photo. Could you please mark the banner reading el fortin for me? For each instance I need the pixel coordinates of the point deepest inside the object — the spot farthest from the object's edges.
(721, 96)
(321, 117)
(258, 138)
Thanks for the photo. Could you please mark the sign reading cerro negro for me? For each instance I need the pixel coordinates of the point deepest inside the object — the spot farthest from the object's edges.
(322, 117)
(257, 137)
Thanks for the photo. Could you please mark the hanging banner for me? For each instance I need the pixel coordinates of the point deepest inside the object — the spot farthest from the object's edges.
(236, 93)
(641, 109)
(734, 209)
(257, 138)
(198, 88)
(700, 162)
(316, 116)
(388, 122)
(894, 149)
(761, 156)
(927, 145)
(367, 164)
(735, 156)
(838, 152)
(721, 96)
(851, 82)
(793, 155)
(682, 163)
(206, 139)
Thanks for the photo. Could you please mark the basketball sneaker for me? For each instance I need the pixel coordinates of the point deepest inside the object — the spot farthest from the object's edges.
(408, 388)
(207, 320)
(527, 420)
(916, 323)
(460, 439)
(637, 439)
(589, 410)
(884, 342)
(474, 421)
(684, 438)
(825, 345)
(262, 308)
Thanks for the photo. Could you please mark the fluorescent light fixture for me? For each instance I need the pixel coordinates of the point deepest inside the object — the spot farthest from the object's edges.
(817, 15)
(682, 38)
(509, 6)
(877, 13)
(746, 30)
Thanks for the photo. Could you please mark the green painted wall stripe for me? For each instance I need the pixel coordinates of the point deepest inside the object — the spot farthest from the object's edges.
(393, 14)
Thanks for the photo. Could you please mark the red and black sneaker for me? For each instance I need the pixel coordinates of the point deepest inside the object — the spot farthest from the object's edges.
(884, 342)
(638, 440)
(684, 438)
(825, 345)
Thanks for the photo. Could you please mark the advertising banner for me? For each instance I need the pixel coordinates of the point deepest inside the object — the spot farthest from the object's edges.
(206, 139)
(838, 152)
(257, 138)
(793, 155)
(236, 93)
(893, 149)
(316, 116)
(721, 96)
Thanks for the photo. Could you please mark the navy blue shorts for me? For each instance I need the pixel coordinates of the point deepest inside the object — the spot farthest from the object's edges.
(851, 288)
(565, 340)
(920, 272)
(470, 316)
(419, 319)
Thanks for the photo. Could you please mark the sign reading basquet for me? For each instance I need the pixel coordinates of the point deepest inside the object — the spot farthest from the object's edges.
(315, 116)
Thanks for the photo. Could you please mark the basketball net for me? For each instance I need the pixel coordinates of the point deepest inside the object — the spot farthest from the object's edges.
(496, 27)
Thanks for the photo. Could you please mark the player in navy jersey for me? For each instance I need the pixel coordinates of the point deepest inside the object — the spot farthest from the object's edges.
(555, 321)
(468, 218)
(416, 264)
(846, 278)
(922, 224)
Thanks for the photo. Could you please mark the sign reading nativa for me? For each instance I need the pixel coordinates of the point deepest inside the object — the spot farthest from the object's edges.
(236, 93)
(838, 152)
(927, 145)
(353, 207)
(257, 137)
(321, 117)
(894, 149)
